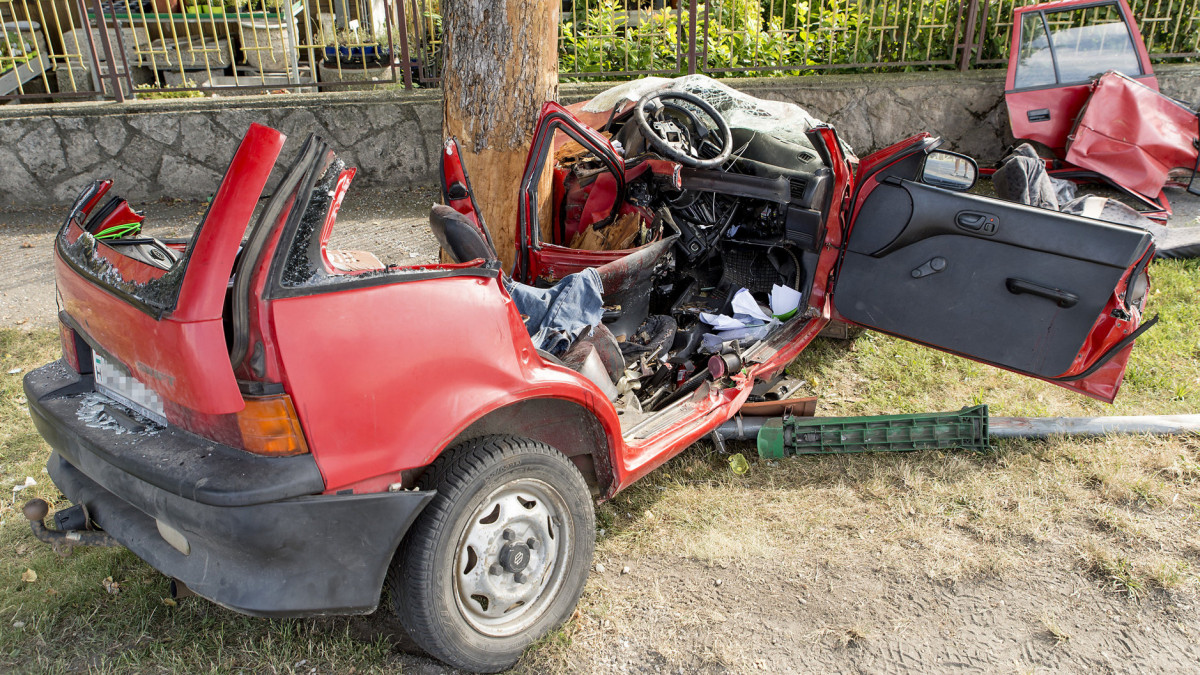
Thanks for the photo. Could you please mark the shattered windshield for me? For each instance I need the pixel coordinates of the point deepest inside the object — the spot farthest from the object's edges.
(783, 121)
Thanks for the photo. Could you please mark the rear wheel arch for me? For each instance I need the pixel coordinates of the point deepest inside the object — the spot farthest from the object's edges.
(564, 425)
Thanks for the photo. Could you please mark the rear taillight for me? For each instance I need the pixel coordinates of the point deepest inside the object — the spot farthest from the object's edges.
(75, 351)
(269, 426)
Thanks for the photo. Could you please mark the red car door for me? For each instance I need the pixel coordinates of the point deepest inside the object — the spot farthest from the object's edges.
(1057, 49)
(543, 250)
(1045, 294)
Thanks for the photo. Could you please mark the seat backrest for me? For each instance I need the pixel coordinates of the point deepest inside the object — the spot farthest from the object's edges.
(628, 282)
(458, 236)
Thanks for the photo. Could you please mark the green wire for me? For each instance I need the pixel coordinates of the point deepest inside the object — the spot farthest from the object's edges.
(119, 231)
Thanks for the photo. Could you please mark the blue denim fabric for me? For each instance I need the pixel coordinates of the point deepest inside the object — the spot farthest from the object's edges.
(557, 315)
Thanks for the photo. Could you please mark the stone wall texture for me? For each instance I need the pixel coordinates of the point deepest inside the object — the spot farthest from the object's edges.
(180, 148)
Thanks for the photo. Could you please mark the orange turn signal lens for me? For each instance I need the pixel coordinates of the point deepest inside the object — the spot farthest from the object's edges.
(66, 336)
(75, 351)
(269, 426)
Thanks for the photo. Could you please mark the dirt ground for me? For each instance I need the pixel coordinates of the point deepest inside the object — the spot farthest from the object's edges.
(741, 612)
(788, 616)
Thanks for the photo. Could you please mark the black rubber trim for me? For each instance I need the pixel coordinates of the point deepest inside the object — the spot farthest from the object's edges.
(173, 460)
(1108, 355)
(253, 388)
(97, 216)
(470, 190)
(308, 556)
(1137, 271)
(384, 278)
(260, 233)
(276, 290)
(814, 137)
(776, 189)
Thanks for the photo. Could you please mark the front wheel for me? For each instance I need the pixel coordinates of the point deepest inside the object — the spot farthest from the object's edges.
(499, 558)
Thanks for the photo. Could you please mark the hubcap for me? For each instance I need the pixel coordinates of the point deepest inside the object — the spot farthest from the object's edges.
(512, 557)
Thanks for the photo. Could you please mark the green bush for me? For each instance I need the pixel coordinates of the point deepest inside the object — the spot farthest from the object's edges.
(789, 37)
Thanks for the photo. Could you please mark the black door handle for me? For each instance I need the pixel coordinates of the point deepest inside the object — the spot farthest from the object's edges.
(974, 221)
(1064, 299)
(1039, 115)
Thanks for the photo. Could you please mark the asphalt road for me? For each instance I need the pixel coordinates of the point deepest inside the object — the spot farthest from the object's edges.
(390, 224)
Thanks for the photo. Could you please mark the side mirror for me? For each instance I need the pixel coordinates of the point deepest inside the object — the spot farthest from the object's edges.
(949, 170)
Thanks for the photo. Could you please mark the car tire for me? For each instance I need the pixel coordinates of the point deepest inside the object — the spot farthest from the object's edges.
(499, 557)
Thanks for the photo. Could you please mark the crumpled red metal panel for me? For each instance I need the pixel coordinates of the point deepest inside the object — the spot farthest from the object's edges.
(1133, 135)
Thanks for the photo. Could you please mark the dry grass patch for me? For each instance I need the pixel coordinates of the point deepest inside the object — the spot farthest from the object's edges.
(1053, 629)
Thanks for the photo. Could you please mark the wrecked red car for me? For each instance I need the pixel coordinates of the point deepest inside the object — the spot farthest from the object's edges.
(1080, 85)
(285, 434)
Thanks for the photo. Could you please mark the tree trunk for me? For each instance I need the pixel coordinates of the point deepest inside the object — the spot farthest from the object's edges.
(500, 65)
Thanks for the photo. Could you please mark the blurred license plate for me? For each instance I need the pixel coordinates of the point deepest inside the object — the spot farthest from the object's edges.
(114, 381)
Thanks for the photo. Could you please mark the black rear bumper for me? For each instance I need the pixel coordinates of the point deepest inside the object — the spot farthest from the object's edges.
(261, 550)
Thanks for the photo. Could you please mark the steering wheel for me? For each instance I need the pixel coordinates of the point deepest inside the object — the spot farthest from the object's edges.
(653, 129)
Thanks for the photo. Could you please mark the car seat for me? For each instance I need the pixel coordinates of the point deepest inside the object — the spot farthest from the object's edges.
(625, 283)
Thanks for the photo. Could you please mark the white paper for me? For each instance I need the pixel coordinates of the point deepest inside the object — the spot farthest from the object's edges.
(720, 321)
(746, 309)
(29, 482)
(784, 299)
(745, 334)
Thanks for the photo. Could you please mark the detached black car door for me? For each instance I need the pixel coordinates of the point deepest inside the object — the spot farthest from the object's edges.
(1049, 295)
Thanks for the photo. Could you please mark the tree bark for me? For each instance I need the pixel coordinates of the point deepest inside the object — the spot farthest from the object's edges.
(500, 65)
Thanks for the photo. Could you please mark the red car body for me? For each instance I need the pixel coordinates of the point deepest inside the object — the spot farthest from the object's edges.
(301, 401)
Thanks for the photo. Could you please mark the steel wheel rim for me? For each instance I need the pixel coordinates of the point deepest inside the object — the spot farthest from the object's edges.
(502, 583)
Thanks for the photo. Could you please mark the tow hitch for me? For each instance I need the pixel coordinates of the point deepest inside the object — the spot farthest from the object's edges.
(74, 527)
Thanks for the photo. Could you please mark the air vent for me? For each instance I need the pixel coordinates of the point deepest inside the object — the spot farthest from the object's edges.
(805, 157)
(799, 185)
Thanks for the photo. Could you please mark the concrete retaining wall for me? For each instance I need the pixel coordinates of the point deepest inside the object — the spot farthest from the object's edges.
(180, 148)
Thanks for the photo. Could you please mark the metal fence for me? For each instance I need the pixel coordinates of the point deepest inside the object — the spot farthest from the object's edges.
(60, 49)
(156, 48)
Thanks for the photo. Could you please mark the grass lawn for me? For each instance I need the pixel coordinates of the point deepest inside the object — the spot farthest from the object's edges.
(1121, 510)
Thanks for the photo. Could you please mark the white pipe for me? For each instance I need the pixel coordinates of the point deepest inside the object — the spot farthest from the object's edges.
(1042, 427)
